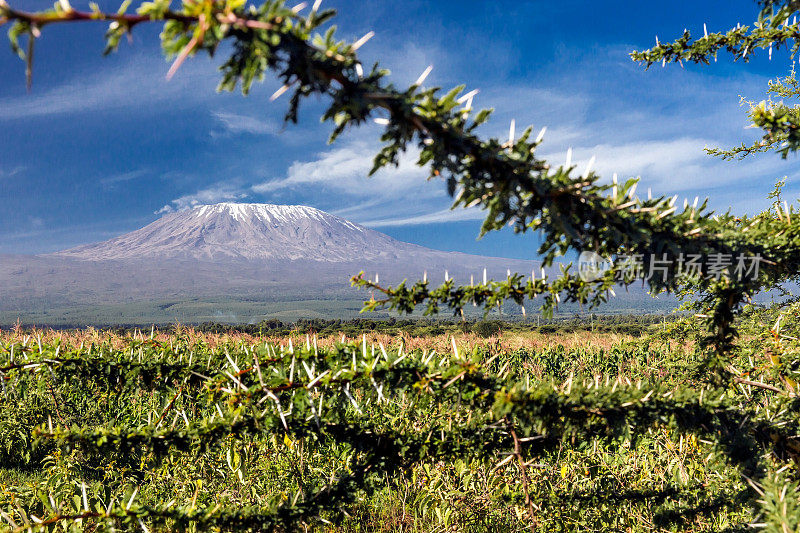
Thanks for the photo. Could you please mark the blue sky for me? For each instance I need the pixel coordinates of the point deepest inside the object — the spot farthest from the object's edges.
(101, 146)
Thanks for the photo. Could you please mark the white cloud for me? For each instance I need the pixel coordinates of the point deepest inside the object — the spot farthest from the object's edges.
(219, 192)
(110, 181)
(661, 162)
(359, 208)
(10, 173)
(346, 169)
(111, 88)
(399, 195)
(235, 124)
(441, 216)
(660, 139)
(681, 166)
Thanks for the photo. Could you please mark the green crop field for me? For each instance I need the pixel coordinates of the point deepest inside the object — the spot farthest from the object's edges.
(387, 430)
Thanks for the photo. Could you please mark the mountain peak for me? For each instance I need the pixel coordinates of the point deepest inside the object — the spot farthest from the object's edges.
(265, 211)
(193, 265)
(274, 213)
(249, 231)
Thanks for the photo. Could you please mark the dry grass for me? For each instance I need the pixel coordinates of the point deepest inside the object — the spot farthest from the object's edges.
(507, 341)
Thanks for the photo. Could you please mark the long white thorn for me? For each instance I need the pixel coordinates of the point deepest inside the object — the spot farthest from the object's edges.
(379, 390)
(233, 365)
(383, 351)
(277, 94)
(361, 42)
(589, 167)
(541, 135)
(309, 371)
(130, 502)
(350, 397)
(468, 106)
(424, 75)
(467, 97)
(316, 379)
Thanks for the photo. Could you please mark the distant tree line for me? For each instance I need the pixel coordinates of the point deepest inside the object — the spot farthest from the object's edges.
(624, 323)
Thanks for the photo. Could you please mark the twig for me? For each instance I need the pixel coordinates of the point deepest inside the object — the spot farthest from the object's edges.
(524, 473)
(168, 407)
(41, 19)
(759, 385)
(55, 403)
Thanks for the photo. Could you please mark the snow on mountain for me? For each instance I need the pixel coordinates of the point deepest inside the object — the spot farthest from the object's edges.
(250, 231)
(227, 258)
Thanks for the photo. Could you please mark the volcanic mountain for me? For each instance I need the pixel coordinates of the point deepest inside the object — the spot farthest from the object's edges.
(228, 231)
(224, 262)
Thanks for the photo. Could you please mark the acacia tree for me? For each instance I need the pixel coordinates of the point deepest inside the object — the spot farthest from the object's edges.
(573, 210)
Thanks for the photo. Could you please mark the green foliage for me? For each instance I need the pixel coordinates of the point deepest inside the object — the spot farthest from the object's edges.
(273, 437)
(635, 325)
(486, 328)
(777, 28)
(370, 416)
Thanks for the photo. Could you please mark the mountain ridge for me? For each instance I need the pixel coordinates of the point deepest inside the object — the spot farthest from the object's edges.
(220, 256)
(250, 231)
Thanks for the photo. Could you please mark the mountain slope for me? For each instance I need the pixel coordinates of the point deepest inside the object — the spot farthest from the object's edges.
(250, 231)
(226, 260)
(235, 263)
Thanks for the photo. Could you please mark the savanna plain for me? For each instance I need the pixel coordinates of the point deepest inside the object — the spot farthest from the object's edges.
(370, 426)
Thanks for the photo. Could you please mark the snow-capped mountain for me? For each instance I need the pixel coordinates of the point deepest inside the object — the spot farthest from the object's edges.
(219, 259)
(228, 262)
(251, 231)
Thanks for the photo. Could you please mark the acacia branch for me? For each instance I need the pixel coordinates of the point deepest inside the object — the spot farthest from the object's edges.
(759, 385)
(524, 475)
(72, 15)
